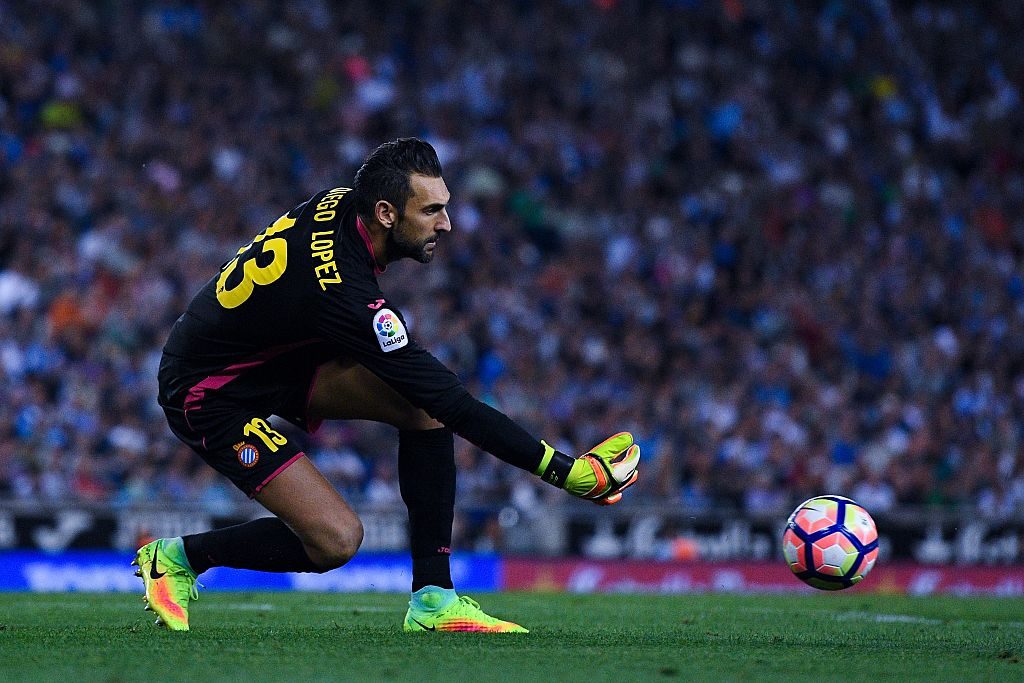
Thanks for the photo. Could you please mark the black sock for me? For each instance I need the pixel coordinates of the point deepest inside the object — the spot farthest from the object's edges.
(266, 544)
(426, 476)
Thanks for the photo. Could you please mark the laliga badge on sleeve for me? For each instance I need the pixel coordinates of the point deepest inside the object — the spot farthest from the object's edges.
(390, 331)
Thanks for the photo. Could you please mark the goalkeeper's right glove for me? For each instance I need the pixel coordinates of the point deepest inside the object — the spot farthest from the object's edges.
(600, 475)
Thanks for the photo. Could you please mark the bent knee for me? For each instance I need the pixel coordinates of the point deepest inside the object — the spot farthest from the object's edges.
(334, 547)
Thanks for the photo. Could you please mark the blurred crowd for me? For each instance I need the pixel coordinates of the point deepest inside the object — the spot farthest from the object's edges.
(781, 242)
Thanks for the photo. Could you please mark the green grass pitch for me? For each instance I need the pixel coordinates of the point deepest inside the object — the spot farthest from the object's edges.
(305, 637)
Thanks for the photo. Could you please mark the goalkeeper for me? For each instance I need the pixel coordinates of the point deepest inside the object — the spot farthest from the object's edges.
(295, 325)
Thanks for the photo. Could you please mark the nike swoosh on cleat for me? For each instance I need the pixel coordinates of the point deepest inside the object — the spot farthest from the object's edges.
(153, 573)
(425, 627)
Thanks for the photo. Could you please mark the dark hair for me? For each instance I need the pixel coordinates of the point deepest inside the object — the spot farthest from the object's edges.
(385, 173)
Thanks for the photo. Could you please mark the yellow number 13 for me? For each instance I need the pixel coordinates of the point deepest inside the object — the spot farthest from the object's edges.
(253, 274)
(270, 437)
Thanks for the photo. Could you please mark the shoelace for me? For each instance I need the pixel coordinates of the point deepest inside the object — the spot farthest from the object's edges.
(467, 602)
(470, 601)
(193, 582)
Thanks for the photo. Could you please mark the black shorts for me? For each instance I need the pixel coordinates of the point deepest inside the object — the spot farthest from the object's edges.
(223, 416)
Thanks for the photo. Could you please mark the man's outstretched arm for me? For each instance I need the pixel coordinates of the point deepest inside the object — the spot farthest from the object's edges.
(390, 353)
(601, 474)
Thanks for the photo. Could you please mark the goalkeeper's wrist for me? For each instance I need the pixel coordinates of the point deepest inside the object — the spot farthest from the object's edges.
(554, 466)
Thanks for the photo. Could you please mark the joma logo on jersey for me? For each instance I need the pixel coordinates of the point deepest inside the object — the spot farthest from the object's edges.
(389, 329)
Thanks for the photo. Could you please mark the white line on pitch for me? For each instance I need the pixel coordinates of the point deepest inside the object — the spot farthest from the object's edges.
(264, 607)
(248, 606)
(887, 618)
(351, 608)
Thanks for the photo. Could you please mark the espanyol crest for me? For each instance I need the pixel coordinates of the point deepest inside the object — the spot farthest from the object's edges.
(248, 455)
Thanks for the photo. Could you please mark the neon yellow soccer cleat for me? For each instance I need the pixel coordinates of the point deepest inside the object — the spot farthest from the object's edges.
(464, 614)
(170, 582)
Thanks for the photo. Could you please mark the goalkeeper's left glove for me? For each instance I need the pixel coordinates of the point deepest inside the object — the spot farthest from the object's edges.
(601, 474)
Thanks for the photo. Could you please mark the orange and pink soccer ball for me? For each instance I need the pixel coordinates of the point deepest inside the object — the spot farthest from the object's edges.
(830, 542)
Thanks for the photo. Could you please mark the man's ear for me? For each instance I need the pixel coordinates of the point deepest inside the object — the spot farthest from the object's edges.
(385, 213)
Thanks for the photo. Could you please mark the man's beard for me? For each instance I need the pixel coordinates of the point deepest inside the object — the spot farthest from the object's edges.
(405, 247)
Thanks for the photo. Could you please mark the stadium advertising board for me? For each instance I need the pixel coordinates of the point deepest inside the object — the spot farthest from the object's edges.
(81, 529)
(926, 539)
(634, 576)
(106, 571)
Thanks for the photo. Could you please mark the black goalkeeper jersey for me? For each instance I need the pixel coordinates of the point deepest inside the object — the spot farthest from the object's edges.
(307, 285)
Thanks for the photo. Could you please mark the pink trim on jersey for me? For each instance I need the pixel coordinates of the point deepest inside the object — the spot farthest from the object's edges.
(361, 227)
(197, 393)
(276, 472)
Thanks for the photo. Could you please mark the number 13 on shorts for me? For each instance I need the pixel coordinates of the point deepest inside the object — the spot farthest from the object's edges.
(259, 428)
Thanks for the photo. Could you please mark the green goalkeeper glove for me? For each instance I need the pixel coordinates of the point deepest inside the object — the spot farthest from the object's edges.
(600, 475)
